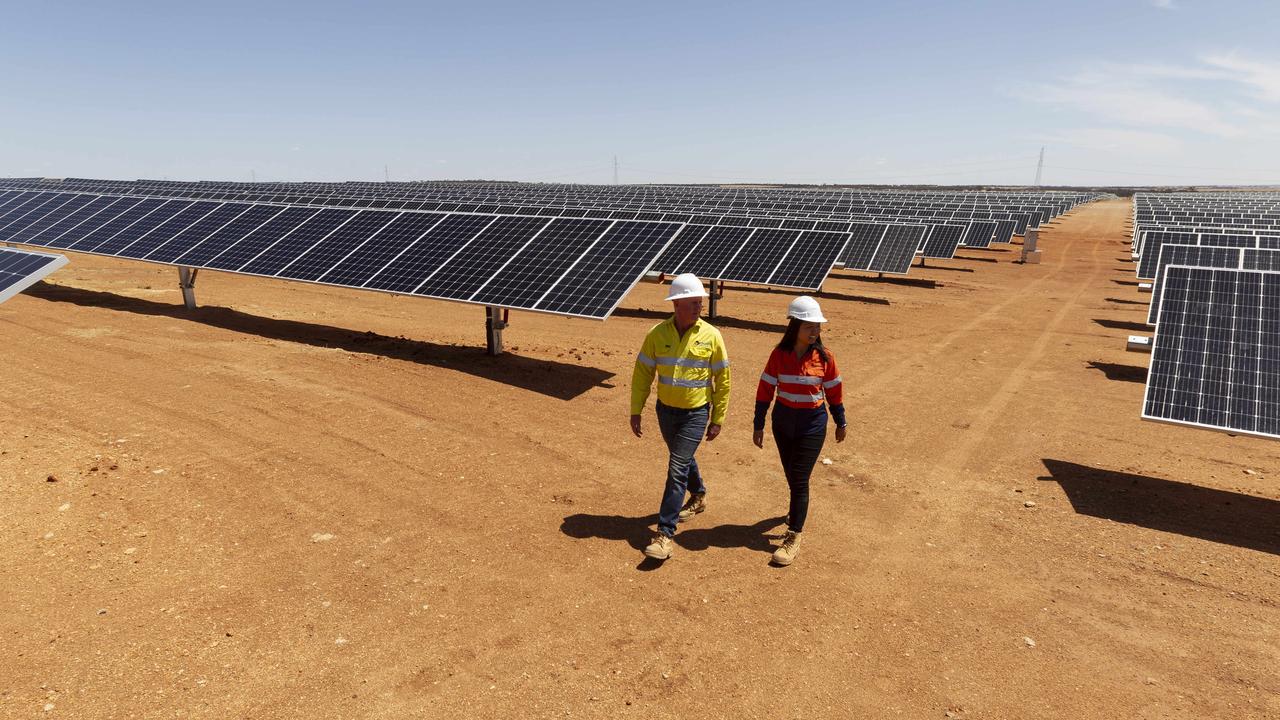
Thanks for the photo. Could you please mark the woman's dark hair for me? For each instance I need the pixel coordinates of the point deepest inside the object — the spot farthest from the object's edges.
(793, 331)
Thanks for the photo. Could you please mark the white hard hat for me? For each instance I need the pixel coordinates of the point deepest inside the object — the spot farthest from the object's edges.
(806, 309)
(686, 285)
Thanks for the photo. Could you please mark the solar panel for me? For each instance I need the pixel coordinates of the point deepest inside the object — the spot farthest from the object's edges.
(1194, 255)
(979, 234)
(1215, 359)
(897, 249)
(20, 269)
(810, 261)
(760, 256)
(942, 240)
(1004, 231)
(864, 238)
(1149, 249)
(670, 260)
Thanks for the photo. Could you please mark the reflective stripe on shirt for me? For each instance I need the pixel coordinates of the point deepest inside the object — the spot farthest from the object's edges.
(645, 360)
(769, 378)
(679, 382)
(832, 383)
(799, 398)
(683, 362)
(801, 379)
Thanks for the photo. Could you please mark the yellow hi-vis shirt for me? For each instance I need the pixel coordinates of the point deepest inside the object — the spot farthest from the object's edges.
(692, 370)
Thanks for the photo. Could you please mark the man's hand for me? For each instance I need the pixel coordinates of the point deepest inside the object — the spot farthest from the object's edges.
(840, 432)
(635, 425)
(757, 437)
(712, 431)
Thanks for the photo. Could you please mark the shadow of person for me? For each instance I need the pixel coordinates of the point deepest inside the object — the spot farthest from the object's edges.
(752, 537)
(635, 531)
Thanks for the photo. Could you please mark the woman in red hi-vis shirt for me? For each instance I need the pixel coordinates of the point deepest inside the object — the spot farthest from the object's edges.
(804, 376)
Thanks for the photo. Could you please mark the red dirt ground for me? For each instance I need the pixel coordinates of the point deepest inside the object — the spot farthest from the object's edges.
(306, 502)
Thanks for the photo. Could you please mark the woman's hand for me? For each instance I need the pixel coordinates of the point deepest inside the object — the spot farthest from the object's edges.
(757, 437)
(840, 433)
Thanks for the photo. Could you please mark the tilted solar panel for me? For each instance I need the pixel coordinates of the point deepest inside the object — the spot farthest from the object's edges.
(20, 269)
(1215, 360)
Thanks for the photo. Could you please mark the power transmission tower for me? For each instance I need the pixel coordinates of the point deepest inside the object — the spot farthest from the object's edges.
(386, 173)
(1040, 166)
(615, 169)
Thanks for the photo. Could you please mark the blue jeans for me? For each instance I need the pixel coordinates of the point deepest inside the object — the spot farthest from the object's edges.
(683, 431)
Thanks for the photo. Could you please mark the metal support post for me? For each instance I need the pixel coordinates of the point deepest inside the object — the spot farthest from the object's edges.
(495, 321)
(187, 283)
(715, 291)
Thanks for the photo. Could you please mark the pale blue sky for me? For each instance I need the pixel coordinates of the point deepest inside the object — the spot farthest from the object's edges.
(1121, 91)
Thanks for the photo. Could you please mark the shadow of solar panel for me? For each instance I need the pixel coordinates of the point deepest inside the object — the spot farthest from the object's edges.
(810, 260)
(20, 269)
(1215, 360)
(1194, 255)
(897, 249)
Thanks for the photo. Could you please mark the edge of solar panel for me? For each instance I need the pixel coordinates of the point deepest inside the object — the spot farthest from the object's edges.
(1155, 348)
(639, 275)
(54, 263)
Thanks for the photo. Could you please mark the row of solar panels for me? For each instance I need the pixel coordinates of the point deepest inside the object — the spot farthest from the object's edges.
(568, 266)
(606, 207)
(1149, 242)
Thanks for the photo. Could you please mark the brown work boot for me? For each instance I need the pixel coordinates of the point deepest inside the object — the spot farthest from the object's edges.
(786, 552)
(696, 503)
(659, 547)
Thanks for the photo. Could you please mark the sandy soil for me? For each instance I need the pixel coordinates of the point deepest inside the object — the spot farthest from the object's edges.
(304, 502)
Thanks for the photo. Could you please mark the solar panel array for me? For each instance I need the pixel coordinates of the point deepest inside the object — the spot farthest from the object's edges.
(568, 266)
(20, 269)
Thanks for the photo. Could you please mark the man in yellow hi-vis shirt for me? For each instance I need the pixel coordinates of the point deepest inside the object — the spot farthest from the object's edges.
(688, 356)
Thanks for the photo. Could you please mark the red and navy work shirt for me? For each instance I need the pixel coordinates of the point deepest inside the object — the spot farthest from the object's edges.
(801, 383)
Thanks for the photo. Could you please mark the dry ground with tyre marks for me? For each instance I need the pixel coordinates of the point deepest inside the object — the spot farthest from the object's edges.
(299, 501)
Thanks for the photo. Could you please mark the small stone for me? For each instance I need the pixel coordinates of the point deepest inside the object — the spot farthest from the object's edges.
(51, 478)
(321, 537)
(665, 676)
(1152, 681)
(158, 471)
(1029, 503)
(48, 707)
(340, 641)
(1029, 642)
(48, 536)
(130, 551)
(102, 611)
(64, 507)
(1249, 472)
(826, 461)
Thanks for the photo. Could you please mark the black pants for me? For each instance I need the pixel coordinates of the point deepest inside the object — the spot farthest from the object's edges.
(799, 453)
